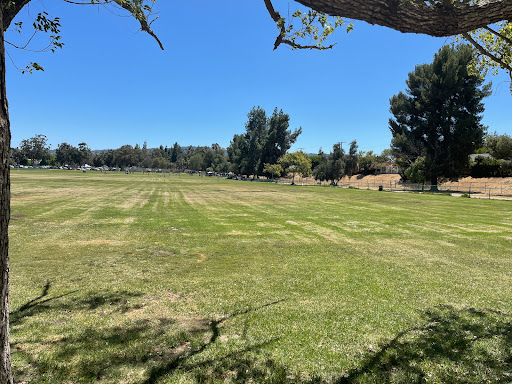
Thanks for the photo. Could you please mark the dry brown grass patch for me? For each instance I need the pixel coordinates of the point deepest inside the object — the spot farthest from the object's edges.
(99, 242)
(162, 252)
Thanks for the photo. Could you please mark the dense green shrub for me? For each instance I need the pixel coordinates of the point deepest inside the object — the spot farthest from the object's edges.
(489, 167)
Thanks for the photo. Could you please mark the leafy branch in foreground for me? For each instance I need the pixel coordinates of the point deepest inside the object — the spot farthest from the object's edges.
(141, 10)
(485, 24)
(311, 25)
(42, 23)
(494, 48)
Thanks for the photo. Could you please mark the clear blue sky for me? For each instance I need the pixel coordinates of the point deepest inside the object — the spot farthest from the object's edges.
(111, 85)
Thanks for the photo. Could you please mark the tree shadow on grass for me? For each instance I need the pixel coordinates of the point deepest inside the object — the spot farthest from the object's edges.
(44, 302)
(36, 302)
(450, 346)
(36, 305)
(237, 365)
(126, 346)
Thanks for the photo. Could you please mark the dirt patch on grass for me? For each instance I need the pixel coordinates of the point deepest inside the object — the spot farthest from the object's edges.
(445, 243)
(99, 242)
(165, 295)
(161, 252)
(167, 354)
(18, 216)
(270, 225)
(195, 324)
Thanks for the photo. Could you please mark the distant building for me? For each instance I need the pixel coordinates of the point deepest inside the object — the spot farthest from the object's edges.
(386, 168)
(484, 155)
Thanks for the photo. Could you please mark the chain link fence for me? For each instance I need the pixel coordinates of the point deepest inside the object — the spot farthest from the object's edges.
(488, 190)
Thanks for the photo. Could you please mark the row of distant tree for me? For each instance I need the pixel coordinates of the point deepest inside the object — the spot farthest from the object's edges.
(436, 125)
(261, 151)
(36, 151)
(273, 159)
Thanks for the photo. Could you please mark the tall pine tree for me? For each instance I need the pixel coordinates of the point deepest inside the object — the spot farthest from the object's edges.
(437, 123)
(265, 141)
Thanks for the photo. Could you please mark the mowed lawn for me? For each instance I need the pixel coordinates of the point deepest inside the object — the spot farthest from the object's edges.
(137, 278)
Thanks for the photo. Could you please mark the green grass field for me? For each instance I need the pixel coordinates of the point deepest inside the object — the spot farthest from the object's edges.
(144, 279)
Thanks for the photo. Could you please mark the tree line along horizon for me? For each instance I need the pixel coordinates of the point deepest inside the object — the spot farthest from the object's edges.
(436, 125)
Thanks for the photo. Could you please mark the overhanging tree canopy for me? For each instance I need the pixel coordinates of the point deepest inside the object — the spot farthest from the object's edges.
(485, 24)
(431, 17)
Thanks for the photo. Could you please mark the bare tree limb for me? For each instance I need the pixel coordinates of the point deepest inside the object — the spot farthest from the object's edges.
(144, 26)
(26, 44)
(298, 46)
(89, 3)
(270, 8)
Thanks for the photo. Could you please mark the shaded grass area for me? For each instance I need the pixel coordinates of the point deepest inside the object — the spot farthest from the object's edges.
(450, 346)
(146, 279)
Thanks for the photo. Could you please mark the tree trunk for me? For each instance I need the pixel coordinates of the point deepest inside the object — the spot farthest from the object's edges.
(433, 183)
(5, 197)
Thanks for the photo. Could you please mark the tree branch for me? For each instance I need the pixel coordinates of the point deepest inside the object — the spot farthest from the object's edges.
(298, 46)
(89, 3)
(139, 15)
(9, 13)
(270, 8)
(281, 37)
(483, 51)
(509, 41)
(419, 17)
(26, 45)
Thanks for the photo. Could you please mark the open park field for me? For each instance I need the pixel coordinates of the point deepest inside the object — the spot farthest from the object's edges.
(142, 279)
